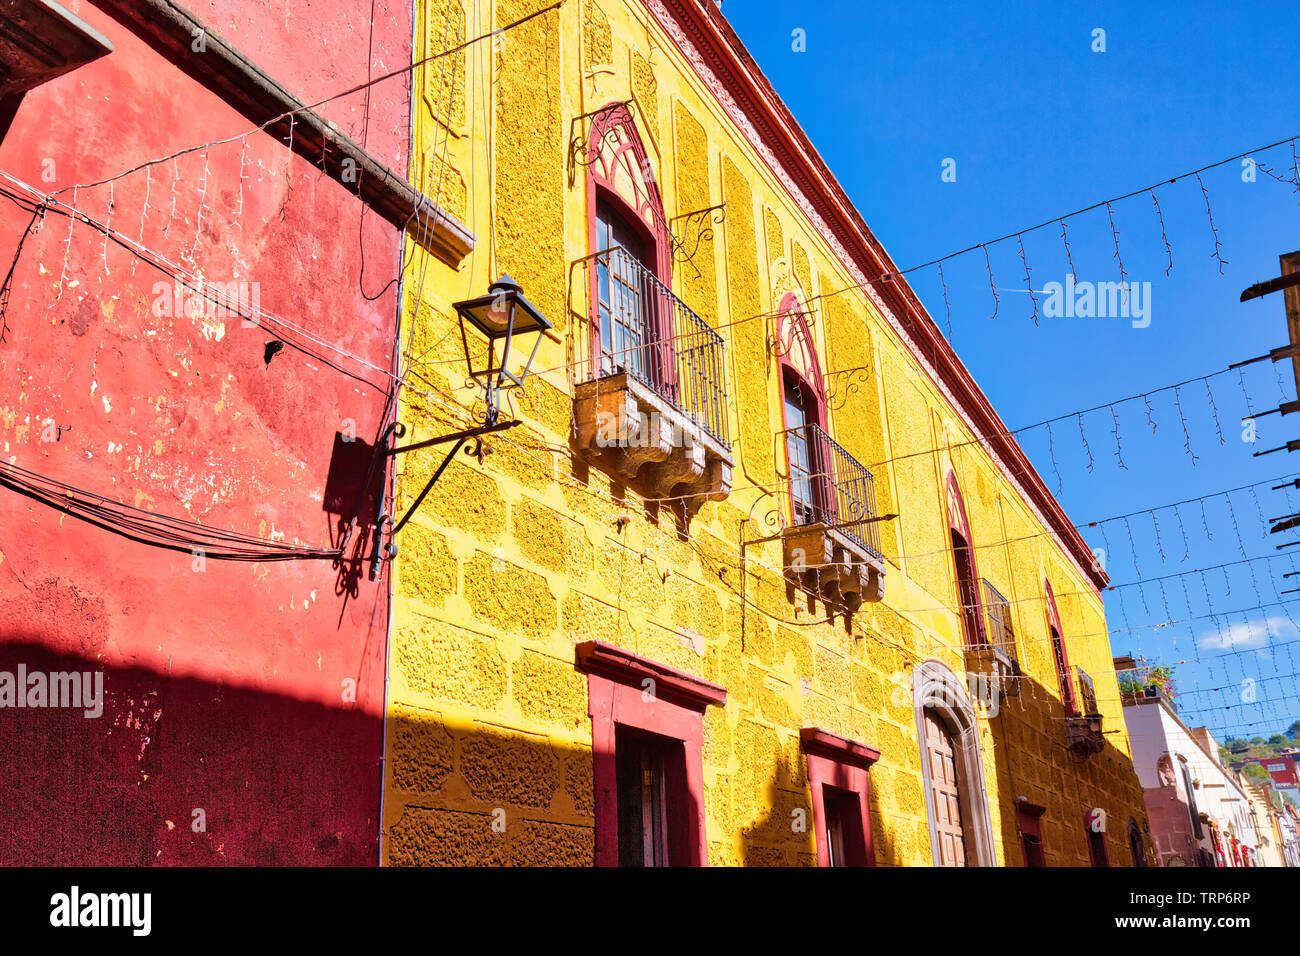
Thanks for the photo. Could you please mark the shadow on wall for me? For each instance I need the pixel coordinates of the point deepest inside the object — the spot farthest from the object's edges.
(179, 771)
(1033, 759)
(185, 771)
(773, 840)
(476, 795)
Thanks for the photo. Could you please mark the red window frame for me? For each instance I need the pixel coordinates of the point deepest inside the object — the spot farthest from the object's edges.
(672, 707)
(965, 566)
(845, 766)
(1031, 834)
(1060, 655)
(602, 190)
(792, 327)
(821, 484)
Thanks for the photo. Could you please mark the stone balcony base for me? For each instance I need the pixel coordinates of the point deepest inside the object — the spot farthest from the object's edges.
(1084, 734)
(628, 430)
(830, 565)
(996, 666)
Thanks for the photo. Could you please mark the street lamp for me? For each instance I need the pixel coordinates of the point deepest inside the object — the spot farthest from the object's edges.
(502, 316)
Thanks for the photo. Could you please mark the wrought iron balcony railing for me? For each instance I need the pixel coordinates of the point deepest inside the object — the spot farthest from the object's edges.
(828, 486)
(1084, 729)
(635, 324)
(1087, 694)
(998, 629)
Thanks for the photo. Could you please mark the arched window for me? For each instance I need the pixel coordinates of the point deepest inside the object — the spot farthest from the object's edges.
(631, 302)
(804, 422)
(951, 769)
(965, 566)
(1060, 657)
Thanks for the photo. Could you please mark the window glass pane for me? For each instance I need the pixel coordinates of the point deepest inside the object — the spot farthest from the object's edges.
(799, 454)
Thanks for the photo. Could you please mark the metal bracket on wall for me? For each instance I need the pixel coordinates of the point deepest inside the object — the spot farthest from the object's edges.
(701, 222)
(580, 151)
(459, 439)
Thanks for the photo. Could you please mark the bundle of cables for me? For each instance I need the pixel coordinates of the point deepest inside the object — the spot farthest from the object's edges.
(155, 530)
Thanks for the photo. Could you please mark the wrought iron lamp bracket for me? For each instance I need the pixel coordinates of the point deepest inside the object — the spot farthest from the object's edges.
(457, 440)
(700, 223)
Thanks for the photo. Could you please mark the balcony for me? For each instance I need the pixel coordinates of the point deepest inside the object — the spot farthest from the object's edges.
(996, 662)
(831, 540)
(650, 395)
(1084, 729)
(1139, 688)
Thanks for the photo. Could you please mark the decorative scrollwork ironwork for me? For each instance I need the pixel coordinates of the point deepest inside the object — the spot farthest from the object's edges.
(765, 524)
(580, 151)
(701, 223)
(845, 384)
(780, 346)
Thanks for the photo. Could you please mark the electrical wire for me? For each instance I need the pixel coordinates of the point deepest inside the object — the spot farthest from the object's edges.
(290, 114)
(155, 530)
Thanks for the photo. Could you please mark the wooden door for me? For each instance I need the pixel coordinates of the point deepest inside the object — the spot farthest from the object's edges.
(947, 797)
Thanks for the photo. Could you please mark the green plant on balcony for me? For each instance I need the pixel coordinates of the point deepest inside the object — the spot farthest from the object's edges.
(1136, 683)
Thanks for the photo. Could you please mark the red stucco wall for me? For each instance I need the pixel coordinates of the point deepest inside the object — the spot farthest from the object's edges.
(225, 688)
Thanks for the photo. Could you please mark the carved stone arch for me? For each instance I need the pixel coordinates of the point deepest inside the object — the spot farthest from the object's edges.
(935, 688)
(621, 174)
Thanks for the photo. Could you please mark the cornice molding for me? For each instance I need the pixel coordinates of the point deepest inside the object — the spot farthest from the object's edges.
(227, 73)
(670, 684)
(823, 743)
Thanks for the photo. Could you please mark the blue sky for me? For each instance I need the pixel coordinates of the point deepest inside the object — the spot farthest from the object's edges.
(1038, 125)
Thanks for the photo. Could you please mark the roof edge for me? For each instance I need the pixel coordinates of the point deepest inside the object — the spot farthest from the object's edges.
(703, 24)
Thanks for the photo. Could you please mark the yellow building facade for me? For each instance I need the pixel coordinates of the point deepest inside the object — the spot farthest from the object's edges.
(668, 617)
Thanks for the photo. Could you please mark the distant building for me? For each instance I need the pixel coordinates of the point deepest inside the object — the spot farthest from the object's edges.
(1264, 816)
(1200, 811)
(1282, 770)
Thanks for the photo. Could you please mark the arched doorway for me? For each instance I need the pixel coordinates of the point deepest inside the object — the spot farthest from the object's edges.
(941, 753)
(952, 770)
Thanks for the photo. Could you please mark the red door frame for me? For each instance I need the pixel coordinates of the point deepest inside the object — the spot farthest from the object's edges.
(1098, 854)
(1028, 824)
(624, 688)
